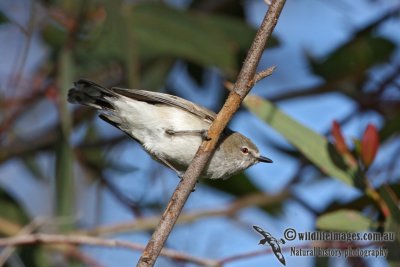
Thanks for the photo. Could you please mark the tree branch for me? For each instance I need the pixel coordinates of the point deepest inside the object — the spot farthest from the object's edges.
(206, 149)
(149, 223)
(261, 75)
(95, 241)
(9, 250)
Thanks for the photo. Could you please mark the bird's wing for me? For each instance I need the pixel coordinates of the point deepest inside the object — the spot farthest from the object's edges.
(166, 99)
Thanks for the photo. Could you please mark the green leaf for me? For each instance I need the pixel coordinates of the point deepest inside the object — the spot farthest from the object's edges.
(164, 31)
(54, 35)
(238, 34)
(156, 73)
(343, 220)
(353, 58)
(238, 185)
(11, 209)
(158, 30)
(391, 200)
(312, 145)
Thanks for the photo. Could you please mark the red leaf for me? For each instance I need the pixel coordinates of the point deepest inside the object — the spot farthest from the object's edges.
(369, 145)
(338, 138)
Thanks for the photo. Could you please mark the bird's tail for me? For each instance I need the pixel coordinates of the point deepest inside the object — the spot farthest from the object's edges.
(91, 94)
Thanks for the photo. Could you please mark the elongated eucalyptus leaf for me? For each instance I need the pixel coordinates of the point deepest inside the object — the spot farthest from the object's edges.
(344, 220)
(312, 145)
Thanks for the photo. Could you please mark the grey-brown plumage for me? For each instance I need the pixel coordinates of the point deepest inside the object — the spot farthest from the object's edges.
(168, 127)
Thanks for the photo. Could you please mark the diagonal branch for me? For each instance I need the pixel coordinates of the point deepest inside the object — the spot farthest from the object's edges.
(232, 104)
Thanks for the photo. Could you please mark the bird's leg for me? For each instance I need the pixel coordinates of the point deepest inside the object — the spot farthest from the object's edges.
(202, 133)
(169, 165)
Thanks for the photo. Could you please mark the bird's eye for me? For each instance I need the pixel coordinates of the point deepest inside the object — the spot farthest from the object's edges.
(245, 150)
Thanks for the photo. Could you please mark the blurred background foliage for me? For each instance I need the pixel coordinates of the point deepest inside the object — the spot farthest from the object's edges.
(66, 154)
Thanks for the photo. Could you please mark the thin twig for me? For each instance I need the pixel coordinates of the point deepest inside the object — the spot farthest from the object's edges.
(11, 229)
(258, 77)
(9, 250)
(95, 241)
(149, 223)
(232, 104)
(262, 74)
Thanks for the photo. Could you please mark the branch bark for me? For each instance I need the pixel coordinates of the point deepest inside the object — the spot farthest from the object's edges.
(232, 104)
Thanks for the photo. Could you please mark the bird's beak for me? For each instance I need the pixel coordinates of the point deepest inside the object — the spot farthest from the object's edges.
(264, 159)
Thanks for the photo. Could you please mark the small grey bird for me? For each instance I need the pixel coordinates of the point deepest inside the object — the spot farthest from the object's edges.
(168, 127)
